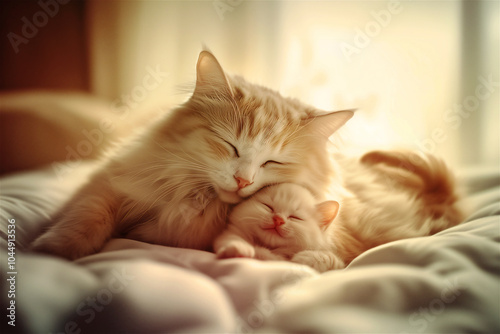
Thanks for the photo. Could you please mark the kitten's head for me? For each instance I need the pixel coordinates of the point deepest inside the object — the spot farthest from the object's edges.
(285, 217)
(245, 136)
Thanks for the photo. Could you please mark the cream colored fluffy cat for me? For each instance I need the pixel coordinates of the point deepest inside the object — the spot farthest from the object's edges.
(394, 195)
(276, 223)
(174, 184)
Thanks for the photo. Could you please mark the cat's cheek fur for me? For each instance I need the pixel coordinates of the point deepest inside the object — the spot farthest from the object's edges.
(223, 176)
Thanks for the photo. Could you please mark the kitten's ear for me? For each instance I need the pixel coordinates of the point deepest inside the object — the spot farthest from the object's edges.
(328, 211)
(210, 77)
(325, 125)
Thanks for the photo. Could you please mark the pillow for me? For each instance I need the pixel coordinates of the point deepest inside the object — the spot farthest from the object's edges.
(31, 198)
(40, 127)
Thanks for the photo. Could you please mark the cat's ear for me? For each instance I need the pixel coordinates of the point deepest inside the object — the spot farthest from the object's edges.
(328, 211)
(210, 77)
(325, 125)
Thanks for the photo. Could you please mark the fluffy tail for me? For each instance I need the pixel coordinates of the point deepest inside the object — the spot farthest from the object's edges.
(427, 176)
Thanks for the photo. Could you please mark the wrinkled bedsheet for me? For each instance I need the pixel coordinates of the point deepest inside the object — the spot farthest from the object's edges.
(446, 283)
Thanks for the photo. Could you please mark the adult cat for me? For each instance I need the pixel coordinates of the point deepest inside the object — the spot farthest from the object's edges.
(174, 184)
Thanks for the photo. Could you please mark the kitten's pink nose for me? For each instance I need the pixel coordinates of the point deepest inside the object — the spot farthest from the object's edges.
(242, 183)
(278, 221)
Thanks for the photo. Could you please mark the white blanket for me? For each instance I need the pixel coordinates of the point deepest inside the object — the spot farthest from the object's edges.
(446, 283)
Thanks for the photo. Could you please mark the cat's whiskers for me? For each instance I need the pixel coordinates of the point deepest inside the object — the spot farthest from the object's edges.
(139, 173)
(191, 160)
(252, 219)
(188, 184)
(183, 161)
(168, 189)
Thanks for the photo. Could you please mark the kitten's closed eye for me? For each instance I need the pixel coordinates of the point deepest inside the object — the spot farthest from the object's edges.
(268, 206)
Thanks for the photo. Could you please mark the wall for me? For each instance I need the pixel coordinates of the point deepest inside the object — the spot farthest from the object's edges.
(43, 45)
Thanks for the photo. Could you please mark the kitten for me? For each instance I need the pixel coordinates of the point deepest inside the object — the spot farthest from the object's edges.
(174, 184)
(276, 223)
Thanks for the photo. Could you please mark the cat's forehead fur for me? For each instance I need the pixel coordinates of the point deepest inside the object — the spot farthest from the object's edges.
(263, 110)
(291, 194)
(274, 102)
(255, 113)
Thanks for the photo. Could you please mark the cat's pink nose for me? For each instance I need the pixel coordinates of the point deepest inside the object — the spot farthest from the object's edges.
(278, 221)
(242, 183)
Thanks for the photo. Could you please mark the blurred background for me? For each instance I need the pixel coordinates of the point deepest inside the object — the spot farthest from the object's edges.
(423, 74)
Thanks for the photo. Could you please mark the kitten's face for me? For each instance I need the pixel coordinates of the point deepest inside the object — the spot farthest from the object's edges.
(247, 137)
(284, 216)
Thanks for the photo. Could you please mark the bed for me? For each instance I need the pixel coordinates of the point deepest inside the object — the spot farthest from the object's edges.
(445, 283)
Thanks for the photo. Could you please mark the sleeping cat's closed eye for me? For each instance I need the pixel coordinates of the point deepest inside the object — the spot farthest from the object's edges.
(271, 162)
(234, 149)
(268, 206)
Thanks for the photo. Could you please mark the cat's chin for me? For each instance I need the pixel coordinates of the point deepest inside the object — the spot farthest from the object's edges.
(230, 197)
(276, 232)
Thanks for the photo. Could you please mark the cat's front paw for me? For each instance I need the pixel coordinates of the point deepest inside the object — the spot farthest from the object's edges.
(265, 254)
(52, 244)
(321, 261)
(236, 249)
